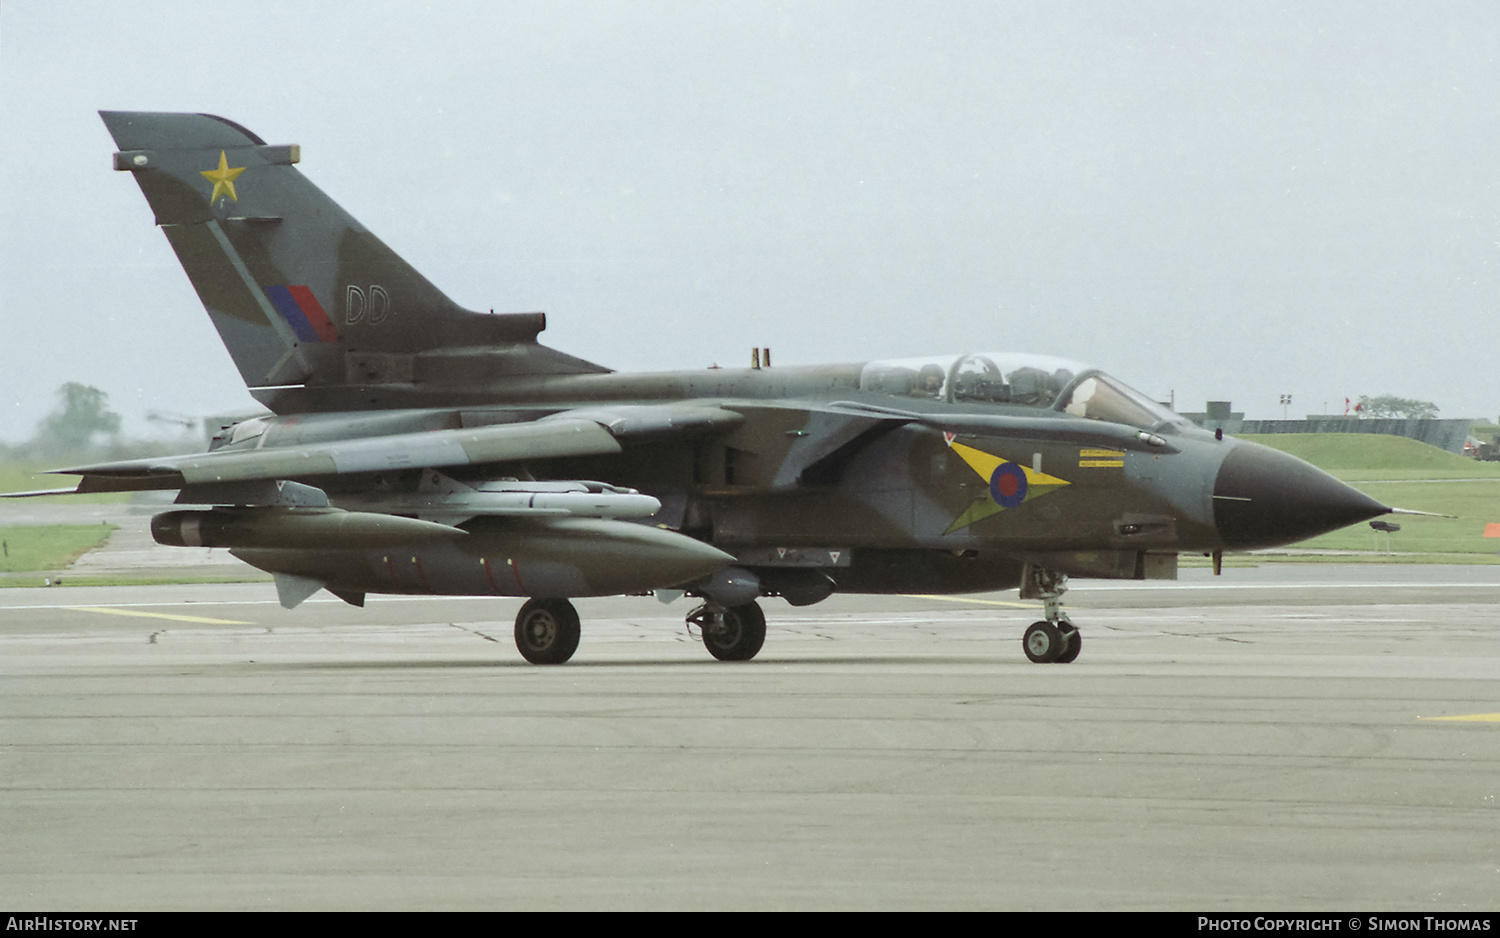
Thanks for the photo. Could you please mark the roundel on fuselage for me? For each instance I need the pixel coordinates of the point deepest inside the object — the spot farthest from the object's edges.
(1008, 485)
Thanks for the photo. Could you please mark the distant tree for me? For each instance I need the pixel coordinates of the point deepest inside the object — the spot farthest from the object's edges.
(1388, 406)
(82, 415)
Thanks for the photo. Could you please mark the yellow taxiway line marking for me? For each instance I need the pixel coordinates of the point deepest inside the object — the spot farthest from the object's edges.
(965, 599)
(1470, 718)
(157, 615)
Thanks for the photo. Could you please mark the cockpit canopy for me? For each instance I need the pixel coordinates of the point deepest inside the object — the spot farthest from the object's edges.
(1008, 380)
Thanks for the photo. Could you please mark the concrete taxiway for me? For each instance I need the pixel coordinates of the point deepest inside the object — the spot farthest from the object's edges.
(1285, 737)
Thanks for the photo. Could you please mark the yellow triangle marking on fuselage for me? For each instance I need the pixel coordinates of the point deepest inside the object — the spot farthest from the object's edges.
(985, 465)
(1469, 718)
(983, 507)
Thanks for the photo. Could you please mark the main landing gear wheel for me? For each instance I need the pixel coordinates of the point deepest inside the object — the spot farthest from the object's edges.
(547, 631)
(736, 634)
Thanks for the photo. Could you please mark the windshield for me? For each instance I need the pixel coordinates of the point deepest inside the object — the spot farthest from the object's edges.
(1100, 397)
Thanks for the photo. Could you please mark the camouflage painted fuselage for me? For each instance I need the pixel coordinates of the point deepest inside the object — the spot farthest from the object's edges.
(878, 492)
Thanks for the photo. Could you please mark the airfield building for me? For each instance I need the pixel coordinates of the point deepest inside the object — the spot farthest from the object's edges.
(1444, 434)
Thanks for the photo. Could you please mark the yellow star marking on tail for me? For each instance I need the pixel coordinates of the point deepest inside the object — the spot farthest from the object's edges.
(223, 178)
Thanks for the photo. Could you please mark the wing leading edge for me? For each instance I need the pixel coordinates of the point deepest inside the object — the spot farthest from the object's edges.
(595, 432)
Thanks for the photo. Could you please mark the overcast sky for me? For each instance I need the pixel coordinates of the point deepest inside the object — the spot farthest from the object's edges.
(1226, 201)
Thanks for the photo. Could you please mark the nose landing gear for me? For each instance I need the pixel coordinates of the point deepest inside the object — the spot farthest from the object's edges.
(1046, 643)
(1055, 639)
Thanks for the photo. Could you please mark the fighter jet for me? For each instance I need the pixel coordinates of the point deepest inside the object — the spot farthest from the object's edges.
(417, 447)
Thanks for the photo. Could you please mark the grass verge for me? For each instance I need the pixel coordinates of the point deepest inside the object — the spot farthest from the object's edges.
(48, 547)
(22, 581)
(23, 477)
(1403, 473)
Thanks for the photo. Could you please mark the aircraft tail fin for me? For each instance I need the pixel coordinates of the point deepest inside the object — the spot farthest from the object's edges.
(304, 297)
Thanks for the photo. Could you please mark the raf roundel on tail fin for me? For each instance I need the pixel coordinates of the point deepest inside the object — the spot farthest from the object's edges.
(313, 308)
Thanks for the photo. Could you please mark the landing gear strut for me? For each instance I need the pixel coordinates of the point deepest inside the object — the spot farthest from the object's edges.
(547, 631)
(735, 633)
(1055, 639)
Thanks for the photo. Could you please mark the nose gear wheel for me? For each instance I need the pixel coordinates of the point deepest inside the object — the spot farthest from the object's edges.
(1055, 639)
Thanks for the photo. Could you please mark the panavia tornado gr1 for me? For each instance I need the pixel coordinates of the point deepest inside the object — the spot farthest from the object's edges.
(418, 447)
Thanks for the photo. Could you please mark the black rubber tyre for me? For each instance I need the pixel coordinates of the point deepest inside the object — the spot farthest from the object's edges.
(1075, 644)
(547, 631)
(1043, 642)
(737, 634)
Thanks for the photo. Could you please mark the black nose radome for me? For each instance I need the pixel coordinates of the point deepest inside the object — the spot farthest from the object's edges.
(1265, 498)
